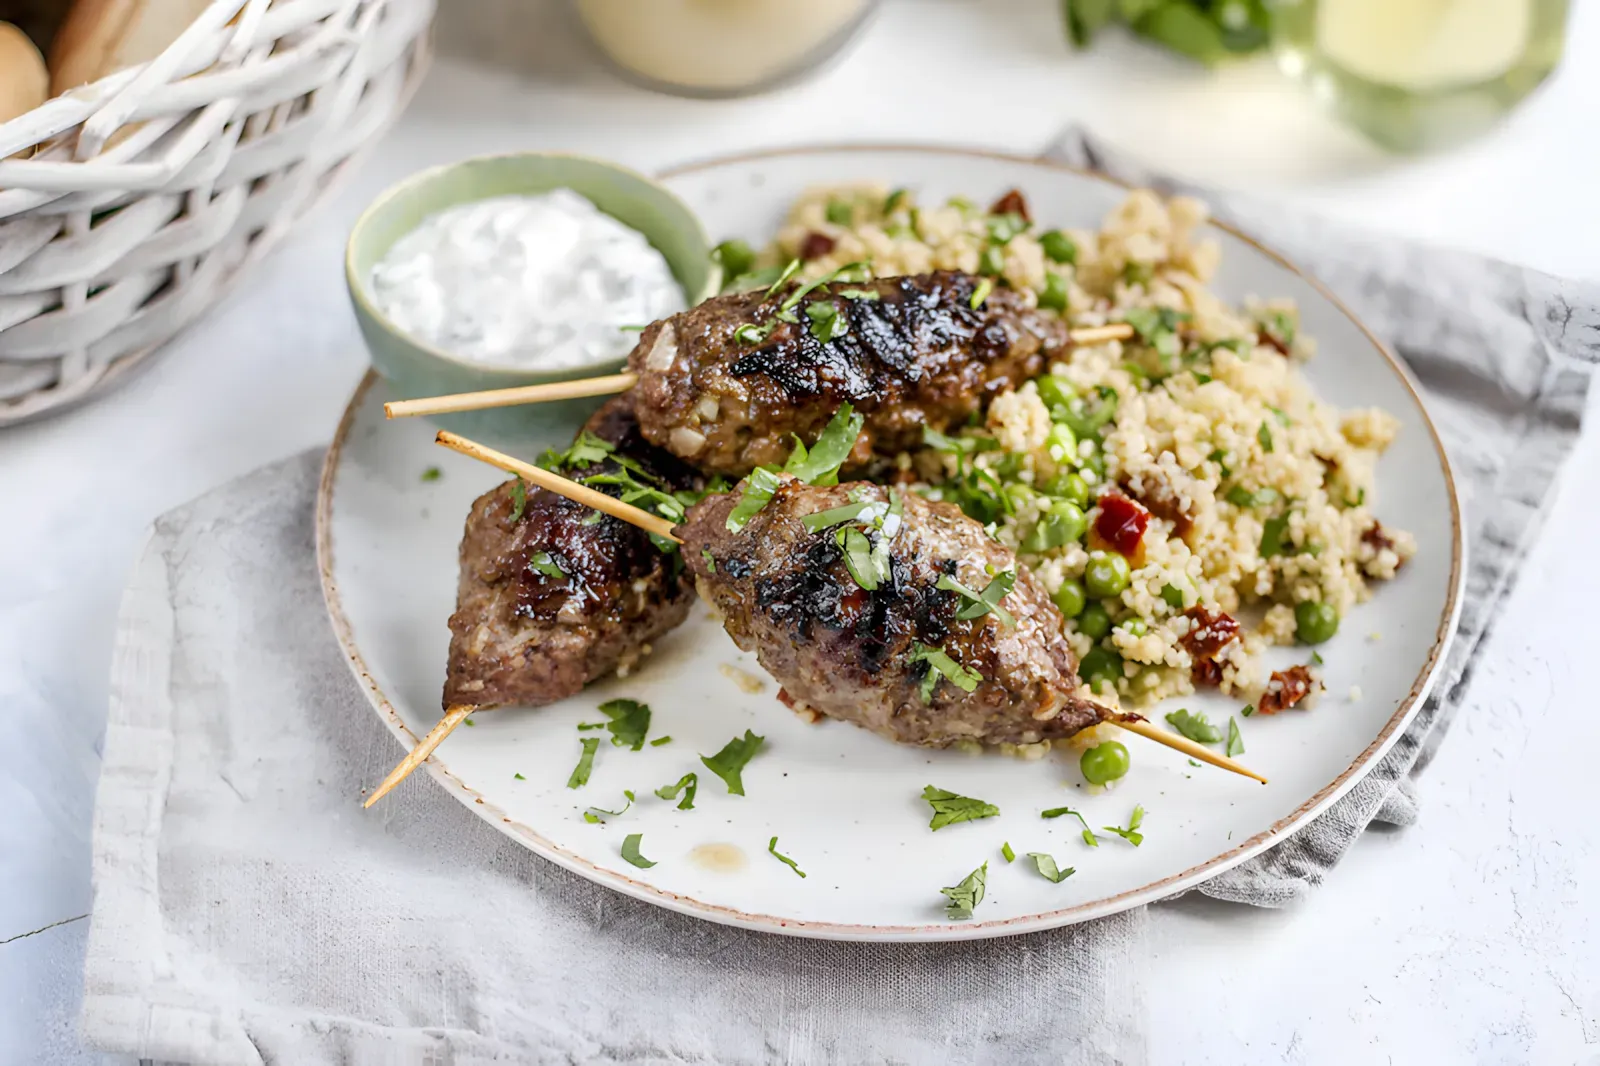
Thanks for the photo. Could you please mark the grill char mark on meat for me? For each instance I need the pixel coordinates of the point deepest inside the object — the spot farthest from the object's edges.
(845, 652)
(519, 636)
(918, 354)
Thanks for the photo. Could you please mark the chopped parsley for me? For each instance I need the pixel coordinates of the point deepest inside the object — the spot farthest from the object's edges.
(710, 560)
(982, 603)
(981, 293)
(932, 438)
(1088, 834)
(789, 271)
(772, 848)
(1235, 741)
(687, 784)
(867, 561)
(630, 851)
(590, 725)
(758, 489)
(1316, 657)
(729, 763)
(1264, 435)
(941, 665)
(966, 895)
(630, 721)
(1281, 415)
(1274, 536)
(817, 521)
(1007, 853)
(817, 465)
(587, 450)
(1173, 596)
(519, 777)
(1240, 496)
(1046, 865)
(544, 563)
(433, 473)
(894, 200)
(827, 324)
(1130, 834)
(658, 741)
(1194, 725)
(1220, 457)
(519, 499)
(593, 814)
(949, 808)
(750, 333)
(580, 773)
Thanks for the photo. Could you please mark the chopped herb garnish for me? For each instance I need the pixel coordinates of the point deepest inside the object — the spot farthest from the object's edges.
(1058, 247)
(1248, 710)
(630, 851)
(938, 441)
(867, 562)
(519, 777)
(1274, 536)
(1192, 763)
(598, 811)
(1280, 415)
(630, 721)
(633, 329)
(772, 848)
(1130, 834)
(1361, 498)
(544, 563)
(858, 294)
(1264, 435)
(1003, 227)
(433, 473)
(1316, 657)
(1220, 457)
(729, 763)
(981, 293)
(894, 200)
(949, 808)
(1088, 834)
(827, 323)
(981, 603)
(710, 560)
(1136, 273)
(580, 773)
(1235, 741)
(658, 741)
(1046, 865)
(1007, 853)
(687, 784)
(967, 895)
(587, 450)
(1194, 725)
(838, 212)
(941, 665)
(1203, 379)
(750, 333)
(519, 499)
(784, 275)
(758, 489)
(817, 521)
(819, 465)
(590, 725)
(1173, 596)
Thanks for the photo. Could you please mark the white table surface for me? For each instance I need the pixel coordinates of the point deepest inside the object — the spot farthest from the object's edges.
(1464, 939)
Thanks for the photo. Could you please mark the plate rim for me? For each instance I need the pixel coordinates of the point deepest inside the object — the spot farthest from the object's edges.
(927, 932)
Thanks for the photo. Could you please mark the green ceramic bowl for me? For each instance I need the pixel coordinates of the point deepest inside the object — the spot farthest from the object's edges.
(415, 368)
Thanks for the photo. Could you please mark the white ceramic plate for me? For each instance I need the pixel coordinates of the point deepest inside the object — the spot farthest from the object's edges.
(844, 803)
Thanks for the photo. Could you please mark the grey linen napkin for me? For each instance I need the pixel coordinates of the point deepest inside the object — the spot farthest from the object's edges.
(247, 910)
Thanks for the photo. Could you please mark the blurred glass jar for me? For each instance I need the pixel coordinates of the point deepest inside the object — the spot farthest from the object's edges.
(1420, 74)
(721, 47)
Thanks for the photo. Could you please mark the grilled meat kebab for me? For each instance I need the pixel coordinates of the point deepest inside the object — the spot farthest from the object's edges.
(552, 594)
(906, 658)
(728, 384)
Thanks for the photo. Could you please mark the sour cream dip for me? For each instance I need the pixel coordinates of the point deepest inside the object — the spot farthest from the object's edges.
(539, 282)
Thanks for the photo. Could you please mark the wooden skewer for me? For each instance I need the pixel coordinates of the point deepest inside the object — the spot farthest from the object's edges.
(612, 383)
(1178, 742)
(420, 753)
(561, 486)
(654, 524)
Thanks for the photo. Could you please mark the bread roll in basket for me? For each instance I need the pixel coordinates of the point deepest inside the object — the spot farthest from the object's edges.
(184, 138)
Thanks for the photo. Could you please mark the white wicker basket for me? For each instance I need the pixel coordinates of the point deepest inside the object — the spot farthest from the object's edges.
(135, 199)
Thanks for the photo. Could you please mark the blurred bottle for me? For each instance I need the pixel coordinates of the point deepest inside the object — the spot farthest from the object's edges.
(721, 47)
(1420, 74)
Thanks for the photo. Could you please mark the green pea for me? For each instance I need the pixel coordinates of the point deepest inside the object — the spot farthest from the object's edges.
(1062, 443)
(839, 213)
(1315, 622)
(735, 256)
(1101, 666)
(1054, 296)
(1104, 763)
(1135, 627)
(1069, 487)
(992, 261)
(1094, 622)
(1062, 524)
(1070, 598)
(1058, 247)
(1106, 575)
(1054, 391)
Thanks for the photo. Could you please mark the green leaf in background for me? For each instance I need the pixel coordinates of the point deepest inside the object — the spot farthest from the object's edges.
(1184, 29)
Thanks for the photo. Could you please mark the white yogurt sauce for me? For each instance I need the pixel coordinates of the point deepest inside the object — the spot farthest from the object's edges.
(538, 282)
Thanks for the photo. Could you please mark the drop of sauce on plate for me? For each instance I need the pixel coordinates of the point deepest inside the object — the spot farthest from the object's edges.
(721, 858)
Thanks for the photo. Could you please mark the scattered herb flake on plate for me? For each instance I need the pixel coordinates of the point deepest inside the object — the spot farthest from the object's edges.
(630, 721)
(580, 773)
(687, 784)
(1007, 853)
(950, 808)
(966, 895)
(729, 763)
(1088, 834)
(598, 811)
(1194, 725)
(772, 847)
(1130, 834)
(433, 473)
(1235, 741)
(1046, 865)
(630, 851)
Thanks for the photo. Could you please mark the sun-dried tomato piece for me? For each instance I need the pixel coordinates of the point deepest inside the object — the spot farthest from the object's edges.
(1272, 340)
(1209, 632)
(1012, 203)
(1285, 689)
(816, 245)
(1121, 523)
(1163, 503)
(785, 699)
(1377, 536)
